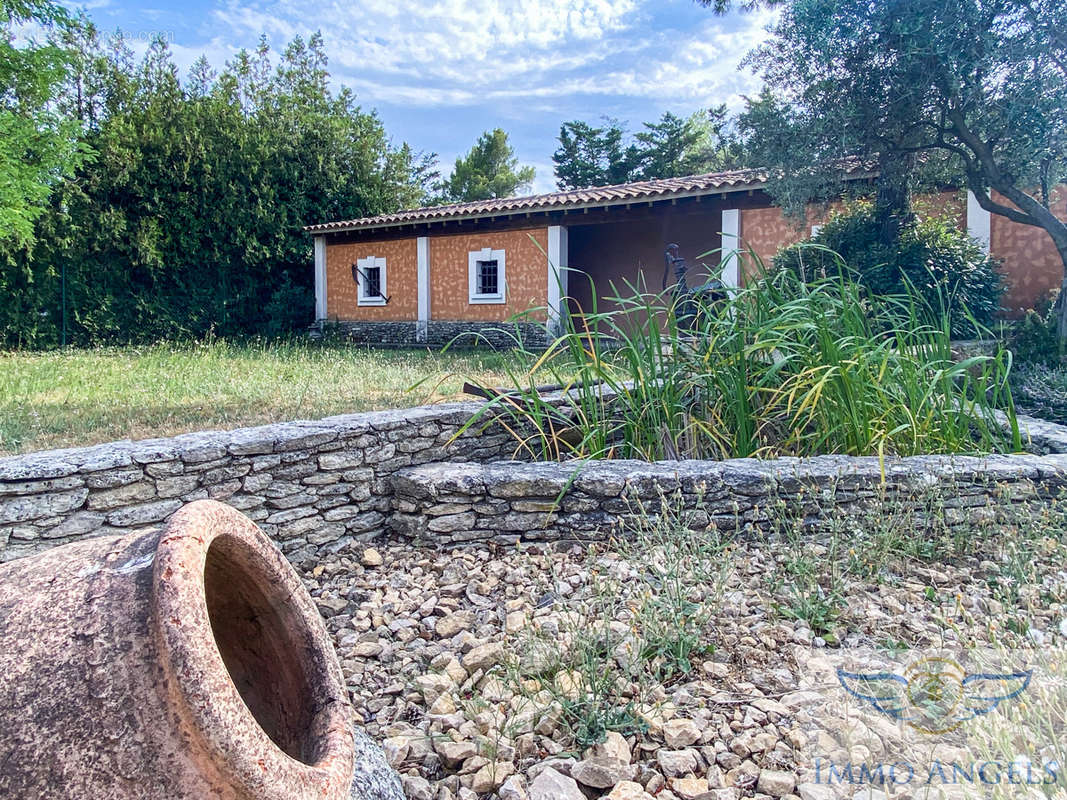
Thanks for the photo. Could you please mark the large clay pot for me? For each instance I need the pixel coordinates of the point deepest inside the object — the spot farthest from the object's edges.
(187, 662)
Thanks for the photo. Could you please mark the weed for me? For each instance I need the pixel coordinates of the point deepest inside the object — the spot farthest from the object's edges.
(642, 618)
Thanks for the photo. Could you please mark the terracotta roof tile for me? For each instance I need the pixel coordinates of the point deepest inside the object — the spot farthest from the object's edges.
(661, 189)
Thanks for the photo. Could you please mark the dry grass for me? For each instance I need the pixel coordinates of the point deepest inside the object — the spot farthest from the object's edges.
(79, 397)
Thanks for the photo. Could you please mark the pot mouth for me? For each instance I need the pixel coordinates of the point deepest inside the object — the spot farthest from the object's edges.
(247, 658)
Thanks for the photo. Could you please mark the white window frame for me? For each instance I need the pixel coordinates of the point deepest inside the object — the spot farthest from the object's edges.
(363, 264)
(486, 254)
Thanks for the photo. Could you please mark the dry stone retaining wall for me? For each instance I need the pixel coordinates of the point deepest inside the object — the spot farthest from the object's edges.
(509, 502)
(314, 487)
(439, 333)
(319, 487)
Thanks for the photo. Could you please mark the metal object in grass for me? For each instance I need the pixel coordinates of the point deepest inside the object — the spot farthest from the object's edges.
(690, 304)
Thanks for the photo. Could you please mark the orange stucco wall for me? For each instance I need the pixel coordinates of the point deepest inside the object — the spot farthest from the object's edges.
(526, 272)
(401, 280)
(1032, 267)
(766, 230)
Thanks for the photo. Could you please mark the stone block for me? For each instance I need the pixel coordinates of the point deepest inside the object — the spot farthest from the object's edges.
(21, 508)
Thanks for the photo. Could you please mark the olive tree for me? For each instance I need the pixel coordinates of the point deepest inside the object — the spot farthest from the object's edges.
(977, 85)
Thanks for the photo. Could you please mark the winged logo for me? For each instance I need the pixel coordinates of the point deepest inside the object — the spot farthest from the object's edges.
(934, 695)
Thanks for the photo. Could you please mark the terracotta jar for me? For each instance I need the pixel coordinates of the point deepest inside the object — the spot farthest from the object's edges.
(186, 662)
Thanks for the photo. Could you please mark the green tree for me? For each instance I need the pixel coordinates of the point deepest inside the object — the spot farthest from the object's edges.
(672, 146)
(490, 169)
(589, 156)
(980, 82)
(190, 216)
(38, 144)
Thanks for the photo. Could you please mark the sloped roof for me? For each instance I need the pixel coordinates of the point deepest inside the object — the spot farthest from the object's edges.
(597, 196)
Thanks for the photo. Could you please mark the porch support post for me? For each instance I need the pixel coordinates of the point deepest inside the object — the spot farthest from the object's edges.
(731, 243)
(422, 250)
(320, 278)
(979, 222)
(557, 276)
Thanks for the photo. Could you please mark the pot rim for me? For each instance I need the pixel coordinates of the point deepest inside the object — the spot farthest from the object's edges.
(200, 682)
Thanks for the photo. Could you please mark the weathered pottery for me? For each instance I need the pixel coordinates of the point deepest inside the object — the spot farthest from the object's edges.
(185, 662)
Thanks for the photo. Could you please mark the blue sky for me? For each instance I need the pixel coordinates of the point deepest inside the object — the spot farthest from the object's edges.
(439, 72)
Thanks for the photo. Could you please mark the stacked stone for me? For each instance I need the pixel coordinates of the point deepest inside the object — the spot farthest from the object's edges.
(506, 502)
(496, 335)
(314, 487)
(317, 487)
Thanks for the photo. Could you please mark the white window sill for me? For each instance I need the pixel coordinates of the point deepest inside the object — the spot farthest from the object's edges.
(371, 301)
(486, 299)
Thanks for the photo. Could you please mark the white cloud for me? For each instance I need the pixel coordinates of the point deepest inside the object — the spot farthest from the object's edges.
(447, 53)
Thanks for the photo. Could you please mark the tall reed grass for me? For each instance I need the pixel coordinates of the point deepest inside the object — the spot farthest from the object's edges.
(782, 367)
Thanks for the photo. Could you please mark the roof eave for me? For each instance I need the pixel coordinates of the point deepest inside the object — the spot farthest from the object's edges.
(342, 227)
(334, 227)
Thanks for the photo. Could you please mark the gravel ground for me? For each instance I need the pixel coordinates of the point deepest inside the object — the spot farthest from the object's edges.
(429, 642)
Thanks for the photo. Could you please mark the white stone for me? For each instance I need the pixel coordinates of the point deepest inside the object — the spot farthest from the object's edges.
(679, 733)
(676, 763)
(551, 785)
(491, 776)
(628, 790)
(776, 783)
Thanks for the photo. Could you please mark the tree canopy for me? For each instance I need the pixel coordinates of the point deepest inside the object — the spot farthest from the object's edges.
(38, 146)
(189, 216)
(977, 86)
(669, 147)
(490, 169)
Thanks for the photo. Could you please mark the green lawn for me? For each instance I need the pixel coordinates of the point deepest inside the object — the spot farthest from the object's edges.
(78, 397)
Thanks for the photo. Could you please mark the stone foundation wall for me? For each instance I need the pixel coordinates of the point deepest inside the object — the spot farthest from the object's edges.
(313, 487)
(510, 502)
(438, 333)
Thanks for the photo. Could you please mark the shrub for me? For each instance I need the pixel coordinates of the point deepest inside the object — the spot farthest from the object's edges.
(943, 264)
(1035, 340)
(289, 308)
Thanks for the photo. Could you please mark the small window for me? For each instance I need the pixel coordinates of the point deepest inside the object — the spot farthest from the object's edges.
(369, 273)
(486, 272)
(487, 277)
(374, 282)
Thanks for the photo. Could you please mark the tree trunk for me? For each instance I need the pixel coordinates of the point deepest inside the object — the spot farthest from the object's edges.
(1057, 231)
(893, 203)
(1061, 301)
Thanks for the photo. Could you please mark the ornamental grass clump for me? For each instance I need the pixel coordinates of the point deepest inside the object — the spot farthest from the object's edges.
(783, 367)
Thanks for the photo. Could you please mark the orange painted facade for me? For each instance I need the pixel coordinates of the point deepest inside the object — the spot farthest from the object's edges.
(401, 281)
(1032, 267)
(626, 244)
(766, 230)
(526, 273)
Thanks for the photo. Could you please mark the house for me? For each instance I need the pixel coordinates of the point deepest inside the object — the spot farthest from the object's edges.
(426, 275)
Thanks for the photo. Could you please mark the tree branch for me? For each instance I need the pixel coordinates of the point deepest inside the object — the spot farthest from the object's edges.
(993, 207)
